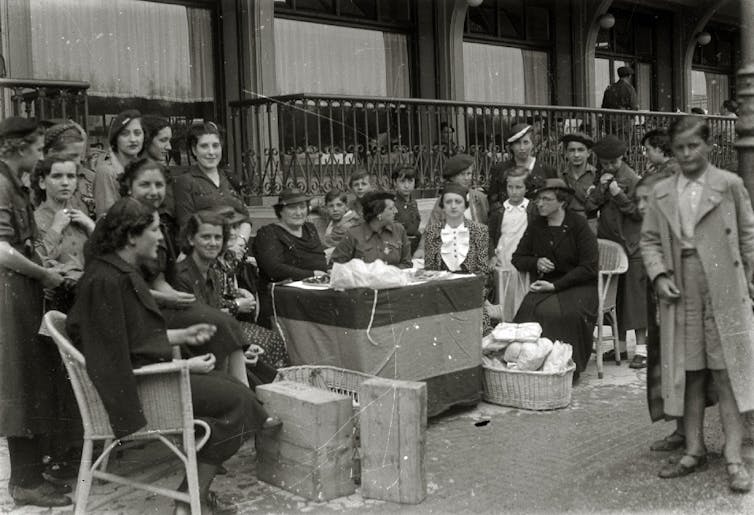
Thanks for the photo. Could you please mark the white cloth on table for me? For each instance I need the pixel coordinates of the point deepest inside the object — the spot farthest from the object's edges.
(512, 229)
(455, 246)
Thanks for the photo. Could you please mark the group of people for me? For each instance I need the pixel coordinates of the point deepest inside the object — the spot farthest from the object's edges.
(144, 261)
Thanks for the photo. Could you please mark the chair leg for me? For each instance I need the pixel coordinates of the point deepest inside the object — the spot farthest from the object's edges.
(192, 479)
(616, 339)
(103, 465)
(600, 321)
(84, 483)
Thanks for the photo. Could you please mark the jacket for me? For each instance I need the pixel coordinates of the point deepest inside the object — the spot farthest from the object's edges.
(476, 261)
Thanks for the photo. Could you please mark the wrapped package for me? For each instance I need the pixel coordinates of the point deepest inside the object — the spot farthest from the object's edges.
(558, 359)
(358, 274)
(512, 352)
(490, 344)
(532, 355)
(527, 332)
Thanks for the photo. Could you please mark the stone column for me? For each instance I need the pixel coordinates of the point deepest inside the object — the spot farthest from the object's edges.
(745, 97)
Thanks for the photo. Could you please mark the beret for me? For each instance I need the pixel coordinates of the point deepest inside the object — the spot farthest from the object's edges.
(609, 147)
(457, 164)
(578, 137)
(17, 127)
(452, 187)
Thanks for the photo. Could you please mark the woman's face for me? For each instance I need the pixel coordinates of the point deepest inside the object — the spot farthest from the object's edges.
(159, 147)
(31, 155)
(131, 139)
(208, 151)
(60, 184)
(691, 151)
(294, 215)
(522, 148)
(548, 203)
(207, 242)
(149, 187)
(453, 205)
(148, 242)
(388, 214)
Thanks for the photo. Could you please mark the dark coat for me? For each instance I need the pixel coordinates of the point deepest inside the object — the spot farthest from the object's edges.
(476, 260)
(117, 325)
(194, 191)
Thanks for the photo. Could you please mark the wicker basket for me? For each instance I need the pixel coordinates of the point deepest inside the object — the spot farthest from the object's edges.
(338, 380)
(528, 390)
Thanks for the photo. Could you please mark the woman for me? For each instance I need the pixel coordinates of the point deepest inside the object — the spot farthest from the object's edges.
(117, 326)
(560, 250)
(378, 236)
(289, 249)
(205, 275)
(67, 141)
(205, 186)
(126, 137)
(145, 181)
(26, 391)
(158, 136)
(63, 229)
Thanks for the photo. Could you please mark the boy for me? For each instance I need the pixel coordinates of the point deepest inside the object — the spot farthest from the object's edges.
(578, 173)
(404, 182)
(360, 185)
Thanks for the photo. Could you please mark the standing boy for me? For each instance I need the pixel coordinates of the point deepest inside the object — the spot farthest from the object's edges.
(404, 182)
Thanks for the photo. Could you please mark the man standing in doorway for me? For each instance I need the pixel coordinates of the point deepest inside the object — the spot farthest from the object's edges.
(621, 94)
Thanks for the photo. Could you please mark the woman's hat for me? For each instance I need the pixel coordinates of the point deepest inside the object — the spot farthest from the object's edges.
(554, 184)
(291, 196)
(456, 164)
(519, 131)
(119, 123)
(610, 147)
(452, 187)
(578, 137)
(17, 127)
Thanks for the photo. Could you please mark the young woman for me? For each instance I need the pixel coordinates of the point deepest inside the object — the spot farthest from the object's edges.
(67, 141)
(157, 138)
(126, 139)
(27, 393)
(205, 275)
(117, 325)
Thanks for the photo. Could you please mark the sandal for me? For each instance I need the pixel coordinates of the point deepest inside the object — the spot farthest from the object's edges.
(672, 442)
(739, 479)
(688, 464)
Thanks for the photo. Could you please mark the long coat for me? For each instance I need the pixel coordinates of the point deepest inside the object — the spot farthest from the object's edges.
(724, 236)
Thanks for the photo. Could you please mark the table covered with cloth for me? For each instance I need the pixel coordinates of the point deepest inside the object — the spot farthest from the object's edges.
(427, 332)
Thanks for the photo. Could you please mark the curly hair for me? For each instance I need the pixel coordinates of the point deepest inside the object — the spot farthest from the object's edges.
(126, 218)
(10, 147)
(202, 129)
(133, 171)
(192, 227)
(59, 136)
(42, 170)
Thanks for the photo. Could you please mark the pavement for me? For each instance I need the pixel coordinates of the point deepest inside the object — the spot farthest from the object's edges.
(591, 457)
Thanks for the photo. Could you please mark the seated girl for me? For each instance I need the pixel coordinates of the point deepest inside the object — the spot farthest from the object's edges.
(117, 325)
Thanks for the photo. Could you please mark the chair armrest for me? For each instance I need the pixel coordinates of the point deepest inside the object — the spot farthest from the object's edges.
(176, 365)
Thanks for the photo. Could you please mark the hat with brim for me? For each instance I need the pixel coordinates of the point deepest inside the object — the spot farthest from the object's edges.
(457, 164)
(227, 213)
(609, 147)
(519, 131)
(290, 196)
(578, 137)
(554, 184)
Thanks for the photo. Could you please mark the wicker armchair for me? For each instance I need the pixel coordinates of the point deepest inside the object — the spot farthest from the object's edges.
(165, 394)
(612, 262)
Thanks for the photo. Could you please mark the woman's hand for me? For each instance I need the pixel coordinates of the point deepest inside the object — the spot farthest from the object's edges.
(198, 334)
(78, 216)
(173, 299)
(246, 304)
(542, 286)
(544, 265)
(202, 364)
(251, 355)
(51, 279)
(61, 220)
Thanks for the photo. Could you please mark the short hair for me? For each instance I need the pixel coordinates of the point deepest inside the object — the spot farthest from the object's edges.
(698, 110)
(658, 138)
(407, 172)
(441, 203)
(134, 169)
(560, 194)
(517, 171)
(278, 208)
(191, 227)
(697, 124)
(202, 129)
(374, 208)
(41, 170)
(336, 194)
(127, 217)
(11, 146)
(358, 173)
(153, 124)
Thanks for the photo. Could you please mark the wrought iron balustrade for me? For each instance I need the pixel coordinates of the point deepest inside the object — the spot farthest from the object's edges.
(314, 142)
(45, 99)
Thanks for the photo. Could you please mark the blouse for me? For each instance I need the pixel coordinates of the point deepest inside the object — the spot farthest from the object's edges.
(389, 244)
(60, 248)
(106, 187)
(455, 246)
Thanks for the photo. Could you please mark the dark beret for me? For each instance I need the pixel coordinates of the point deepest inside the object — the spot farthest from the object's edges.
(609, 147)
(457, 164)
(578, 137)
(17, 127)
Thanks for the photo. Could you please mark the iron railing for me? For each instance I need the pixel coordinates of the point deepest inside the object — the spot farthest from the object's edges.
(45, 99)
(314, 142)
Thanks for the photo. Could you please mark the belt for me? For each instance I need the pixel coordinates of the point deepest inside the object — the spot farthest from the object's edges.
(688, 252)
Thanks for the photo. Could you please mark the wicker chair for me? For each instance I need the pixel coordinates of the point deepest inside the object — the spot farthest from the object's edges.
(612, 262)
(165, 394)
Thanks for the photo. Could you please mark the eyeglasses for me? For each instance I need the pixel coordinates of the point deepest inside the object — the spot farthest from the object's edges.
(546, 199)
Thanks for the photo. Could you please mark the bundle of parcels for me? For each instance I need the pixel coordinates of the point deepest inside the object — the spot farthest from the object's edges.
(522, 347)
(358, 274)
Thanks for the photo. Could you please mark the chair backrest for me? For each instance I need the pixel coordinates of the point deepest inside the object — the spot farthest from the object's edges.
(93, 415)
(612, 257)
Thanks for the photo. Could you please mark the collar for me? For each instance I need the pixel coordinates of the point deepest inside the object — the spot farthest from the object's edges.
(521, 207)
(566, 173)
(116, 261)
(389, 227)
(684, 181)
(199, 174)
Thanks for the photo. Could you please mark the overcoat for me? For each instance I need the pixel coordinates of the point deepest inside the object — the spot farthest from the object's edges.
(724, 239)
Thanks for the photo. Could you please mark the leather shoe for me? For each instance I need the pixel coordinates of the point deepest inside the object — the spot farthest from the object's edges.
(739, 479)
(43, 495)
(688, 464)
(638, 362)
(610, 355)
(672, 442)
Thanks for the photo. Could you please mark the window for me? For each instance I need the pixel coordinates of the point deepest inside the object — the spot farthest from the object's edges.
(361, 12)
(709, 90)
(713, 69)
(510, 19)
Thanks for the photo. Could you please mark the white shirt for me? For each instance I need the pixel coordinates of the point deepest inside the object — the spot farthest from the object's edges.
(455, 246)
(512, 228)
(689, 196)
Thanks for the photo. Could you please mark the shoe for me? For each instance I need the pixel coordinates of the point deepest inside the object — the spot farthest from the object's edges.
(688, 464)
(672, 442)
(638, 362)
(60, 488)
(271, 424)
(739, 479)
(43, 495)
(610, 355)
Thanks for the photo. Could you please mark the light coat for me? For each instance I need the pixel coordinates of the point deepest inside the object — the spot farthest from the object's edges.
(724, 239)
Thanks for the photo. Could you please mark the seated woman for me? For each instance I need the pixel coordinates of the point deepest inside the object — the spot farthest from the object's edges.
(117, 326)
(560, 250)
(63, 229)
(145, 181)
(289, 249)
(378, 236)
(201, 273)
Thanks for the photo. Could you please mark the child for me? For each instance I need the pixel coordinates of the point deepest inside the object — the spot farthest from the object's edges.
(660, 158)
(404, 182)
(340, 217)
(507, 225)
(359, 185)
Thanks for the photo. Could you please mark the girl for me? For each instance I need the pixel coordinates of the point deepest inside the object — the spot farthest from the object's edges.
(67, 141)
